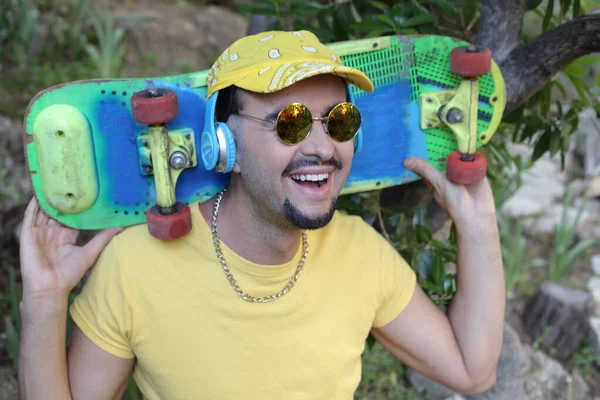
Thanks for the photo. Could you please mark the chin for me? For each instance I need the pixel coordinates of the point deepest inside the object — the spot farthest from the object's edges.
(304, 219)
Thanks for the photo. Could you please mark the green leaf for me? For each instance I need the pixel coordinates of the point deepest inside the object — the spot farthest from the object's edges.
(548, 15)
(419, 20)
(532, 4)
(379, 5)
(439, 270)
(542, 146)
(423, 234)
(564, 7)
(386, 20)
(576, 8)
(576, 69)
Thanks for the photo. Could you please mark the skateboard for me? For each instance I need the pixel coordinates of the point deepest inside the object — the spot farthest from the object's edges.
(114, 153)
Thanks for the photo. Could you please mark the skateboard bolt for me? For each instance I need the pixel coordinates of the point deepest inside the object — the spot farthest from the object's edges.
(454, 116)
(188, 136)
(178, 160)
(145, 143)
(148, 170)
(429, 125)
(429, 99)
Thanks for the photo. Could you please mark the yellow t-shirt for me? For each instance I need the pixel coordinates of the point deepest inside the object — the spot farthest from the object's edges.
(169, 304)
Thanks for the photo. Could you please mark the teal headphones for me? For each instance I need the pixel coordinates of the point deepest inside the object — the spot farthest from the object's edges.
(217, 146)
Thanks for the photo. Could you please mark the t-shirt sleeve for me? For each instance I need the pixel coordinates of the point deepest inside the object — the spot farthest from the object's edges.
(104, 310)
(397, 282)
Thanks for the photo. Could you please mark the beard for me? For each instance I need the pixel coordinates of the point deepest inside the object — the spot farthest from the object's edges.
(302, 221)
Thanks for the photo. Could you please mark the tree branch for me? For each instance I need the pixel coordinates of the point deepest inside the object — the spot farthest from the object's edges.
(500, 26)
(530, 67)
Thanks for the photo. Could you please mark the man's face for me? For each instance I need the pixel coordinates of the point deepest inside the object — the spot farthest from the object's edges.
(279, 178)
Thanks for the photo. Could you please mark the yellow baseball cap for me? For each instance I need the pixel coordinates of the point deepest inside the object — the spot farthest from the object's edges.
(270, 61)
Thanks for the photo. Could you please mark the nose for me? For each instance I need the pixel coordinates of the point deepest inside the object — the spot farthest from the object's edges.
(318, 143)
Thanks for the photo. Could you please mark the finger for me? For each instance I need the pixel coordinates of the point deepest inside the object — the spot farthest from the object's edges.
(30, 213)
(41, 218)
(431, 175)
(54, 223)
(98, 243)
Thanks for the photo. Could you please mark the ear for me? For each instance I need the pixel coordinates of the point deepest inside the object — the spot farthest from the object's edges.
(235, 127)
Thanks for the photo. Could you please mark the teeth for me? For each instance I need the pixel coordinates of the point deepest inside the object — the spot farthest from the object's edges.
(311, 178)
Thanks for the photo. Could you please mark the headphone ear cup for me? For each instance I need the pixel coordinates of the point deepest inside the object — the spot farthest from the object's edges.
(209, 149)
(227, 149)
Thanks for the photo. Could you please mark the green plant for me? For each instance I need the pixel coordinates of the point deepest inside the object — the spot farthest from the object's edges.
(585, 359)
(514, 252)
(566, 250)
(19, 29)
(383, 377)
(107, 56)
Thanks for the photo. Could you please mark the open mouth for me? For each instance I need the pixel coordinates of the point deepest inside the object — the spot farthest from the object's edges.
(312, 180)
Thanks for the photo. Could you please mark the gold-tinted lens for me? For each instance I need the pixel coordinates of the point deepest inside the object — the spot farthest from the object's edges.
(343, 122)
(293, 123)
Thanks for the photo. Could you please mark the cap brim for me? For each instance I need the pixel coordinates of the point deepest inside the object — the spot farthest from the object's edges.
(301, 72)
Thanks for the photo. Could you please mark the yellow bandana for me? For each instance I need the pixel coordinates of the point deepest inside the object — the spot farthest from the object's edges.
(271, 61)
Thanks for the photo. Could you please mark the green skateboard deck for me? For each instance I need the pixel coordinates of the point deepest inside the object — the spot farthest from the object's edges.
(91, 164)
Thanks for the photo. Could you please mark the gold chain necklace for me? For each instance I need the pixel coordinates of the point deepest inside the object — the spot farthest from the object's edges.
(229, 275)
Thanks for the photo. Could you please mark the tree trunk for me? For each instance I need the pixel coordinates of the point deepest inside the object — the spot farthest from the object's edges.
(556, 318)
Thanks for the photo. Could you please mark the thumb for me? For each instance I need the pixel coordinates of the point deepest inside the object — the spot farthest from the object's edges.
(95, 246)
(426, 170)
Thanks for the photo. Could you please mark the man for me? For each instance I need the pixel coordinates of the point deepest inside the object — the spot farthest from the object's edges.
(273, 293)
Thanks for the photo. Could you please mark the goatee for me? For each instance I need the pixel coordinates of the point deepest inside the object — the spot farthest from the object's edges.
(297, 218)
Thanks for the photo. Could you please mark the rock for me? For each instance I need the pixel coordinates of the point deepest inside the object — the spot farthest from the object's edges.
(594, 337)
(543, 183)
(509, 380)
(577, 186)
(552, 217)
(177, 36)
(556, 316)
(423, 385)
(9, 387)
(580, 390)
(594, 283)
(588, 124)
(593, 188)
(595, 261)
(545, 379)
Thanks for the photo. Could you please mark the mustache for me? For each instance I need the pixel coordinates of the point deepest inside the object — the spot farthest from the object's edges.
(311, 163)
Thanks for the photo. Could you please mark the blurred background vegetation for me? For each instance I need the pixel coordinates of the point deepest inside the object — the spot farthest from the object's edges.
(48, 42)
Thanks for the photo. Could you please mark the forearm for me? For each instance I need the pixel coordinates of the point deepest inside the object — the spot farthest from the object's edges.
(42, 354)
(477, 310)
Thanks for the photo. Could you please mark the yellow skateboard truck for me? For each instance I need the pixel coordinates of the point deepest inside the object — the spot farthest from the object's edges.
(164, 155)
(458, 110)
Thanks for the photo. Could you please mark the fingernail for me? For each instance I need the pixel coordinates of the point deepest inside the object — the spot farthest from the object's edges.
(409, 164)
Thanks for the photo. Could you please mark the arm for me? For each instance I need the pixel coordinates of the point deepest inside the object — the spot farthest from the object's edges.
(461, 349)
(51, 266)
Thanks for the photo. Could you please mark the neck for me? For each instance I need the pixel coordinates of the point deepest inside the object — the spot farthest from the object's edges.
(249, 235)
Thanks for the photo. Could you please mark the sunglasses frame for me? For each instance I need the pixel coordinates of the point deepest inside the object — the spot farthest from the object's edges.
(323, 120)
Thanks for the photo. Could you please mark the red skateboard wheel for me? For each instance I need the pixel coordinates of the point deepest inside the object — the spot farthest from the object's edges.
(169, 226)
(154, 106)
(471, 61)
(466, 172)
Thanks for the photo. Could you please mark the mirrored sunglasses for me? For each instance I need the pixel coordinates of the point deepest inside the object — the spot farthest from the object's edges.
(294, 122)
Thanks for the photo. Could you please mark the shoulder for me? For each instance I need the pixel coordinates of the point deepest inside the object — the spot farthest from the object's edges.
(351, 232)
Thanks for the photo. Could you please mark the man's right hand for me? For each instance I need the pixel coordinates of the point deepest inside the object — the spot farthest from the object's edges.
(51, 263)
